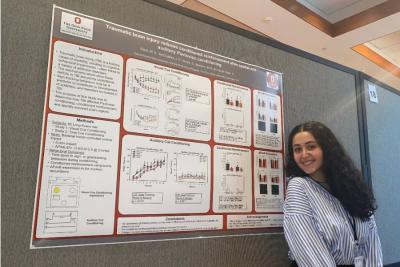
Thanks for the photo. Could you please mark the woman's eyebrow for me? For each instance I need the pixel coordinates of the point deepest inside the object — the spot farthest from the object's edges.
(306, 143)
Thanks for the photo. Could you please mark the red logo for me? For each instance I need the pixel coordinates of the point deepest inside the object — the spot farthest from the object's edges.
(78, 20)
(272, 80)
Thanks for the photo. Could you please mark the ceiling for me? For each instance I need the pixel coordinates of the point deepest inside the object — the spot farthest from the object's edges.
(337, 10)
(360, 34)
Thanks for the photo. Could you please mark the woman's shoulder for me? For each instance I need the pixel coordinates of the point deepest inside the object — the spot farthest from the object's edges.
(297, 182)
(297, 201)
(302, 187)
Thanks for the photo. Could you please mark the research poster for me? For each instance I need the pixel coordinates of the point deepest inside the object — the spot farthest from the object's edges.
(147, 138)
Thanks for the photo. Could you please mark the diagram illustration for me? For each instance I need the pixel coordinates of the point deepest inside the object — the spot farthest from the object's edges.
(147, 83)
(146, 165)
(61, 222)
(190, 167)
(62, 192)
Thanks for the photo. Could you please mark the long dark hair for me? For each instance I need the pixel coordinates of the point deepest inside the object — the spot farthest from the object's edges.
(345, 180)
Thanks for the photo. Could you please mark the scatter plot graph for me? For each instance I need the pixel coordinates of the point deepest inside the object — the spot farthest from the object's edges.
(147, 83)
(147, 165)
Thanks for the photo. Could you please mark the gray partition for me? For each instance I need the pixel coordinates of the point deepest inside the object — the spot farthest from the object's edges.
(312, 90)
(383, 120)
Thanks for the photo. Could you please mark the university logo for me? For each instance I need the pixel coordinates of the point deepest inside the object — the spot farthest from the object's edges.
(272, 80)
(78, 20)
(77, 26)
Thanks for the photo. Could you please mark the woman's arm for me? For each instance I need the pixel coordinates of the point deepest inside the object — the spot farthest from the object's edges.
(301, 233)
(373, 248)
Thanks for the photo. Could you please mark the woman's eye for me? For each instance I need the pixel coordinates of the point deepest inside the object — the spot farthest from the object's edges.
(297, 149)
(311, 147)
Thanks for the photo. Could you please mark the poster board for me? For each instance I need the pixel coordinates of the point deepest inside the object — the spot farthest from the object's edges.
(146, 136)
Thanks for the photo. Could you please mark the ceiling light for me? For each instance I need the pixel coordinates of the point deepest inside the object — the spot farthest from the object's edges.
(267, 19)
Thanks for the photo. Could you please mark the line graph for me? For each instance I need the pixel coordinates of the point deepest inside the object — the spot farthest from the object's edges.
(191, 167)
(145, 116)
(173, 81)
(147, 83)
(147, 165)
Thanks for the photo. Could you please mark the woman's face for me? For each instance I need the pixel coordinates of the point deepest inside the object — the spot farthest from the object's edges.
(308, 155)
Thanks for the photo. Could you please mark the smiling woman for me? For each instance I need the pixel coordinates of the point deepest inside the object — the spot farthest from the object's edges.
(328, 212)
(308, 155)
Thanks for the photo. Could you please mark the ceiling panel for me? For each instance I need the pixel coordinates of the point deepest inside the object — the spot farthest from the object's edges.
(387, 40)
(337, 10)
(387, 46)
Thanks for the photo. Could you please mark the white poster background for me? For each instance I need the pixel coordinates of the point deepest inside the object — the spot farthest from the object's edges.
(77, 195)
(85, 81)
(165, 224)
(254, 221)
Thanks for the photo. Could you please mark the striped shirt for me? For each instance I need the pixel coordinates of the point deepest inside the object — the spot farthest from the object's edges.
(319, 230)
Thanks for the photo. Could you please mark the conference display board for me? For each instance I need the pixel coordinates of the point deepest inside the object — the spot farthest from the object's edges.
(147, 136)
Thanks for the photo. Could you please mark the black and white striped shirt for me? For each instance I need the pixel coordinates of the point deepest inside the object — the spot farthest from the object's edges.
(318, 229)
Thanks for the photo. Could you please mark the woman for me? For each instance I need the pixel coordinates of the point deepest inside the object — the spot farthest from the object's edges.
(328, 212)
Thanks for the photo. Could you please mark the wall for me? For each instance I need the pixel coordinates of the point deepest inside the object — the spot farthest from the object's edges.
(383, 120)
(311, 91)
